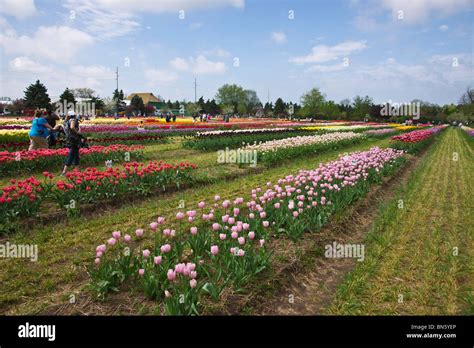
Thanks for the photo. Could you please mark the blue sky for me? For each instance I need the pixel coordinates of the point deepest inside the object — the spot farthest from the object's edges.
(395, 50)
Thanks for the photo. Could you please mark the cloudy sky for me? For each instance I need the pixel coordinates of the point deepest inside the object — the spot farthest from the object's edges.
(395, 50)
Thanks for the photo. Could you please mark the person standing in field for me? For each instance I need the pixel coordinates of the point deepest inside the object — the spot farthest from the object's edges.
(73, 140)
(39, 132)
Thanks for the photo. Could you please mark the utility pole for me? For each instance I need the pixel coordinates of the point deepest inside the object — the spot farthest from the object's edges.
(268, 97)
(195, 91)
(118, 99)
(116, 76)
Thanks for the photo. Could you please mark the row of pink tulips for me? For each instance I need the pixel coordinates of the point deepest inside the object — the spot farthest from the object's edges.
(224, 242)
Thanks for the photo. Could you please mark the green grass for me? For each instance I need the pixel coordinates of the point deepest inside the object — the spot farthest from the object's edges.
(66, 248)
(411, 266)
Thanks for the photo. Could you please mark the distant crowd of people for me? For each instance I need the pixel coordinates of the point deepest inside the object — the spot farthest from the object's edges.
(45, 132)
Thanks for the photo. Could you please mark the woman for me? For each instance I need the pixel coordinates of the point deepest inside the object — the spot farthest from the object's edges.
(39, 132)
(73, 140)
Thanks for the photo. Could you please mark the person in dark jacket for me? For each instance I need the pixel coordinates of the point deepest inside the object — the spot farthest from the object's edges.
(73, 140)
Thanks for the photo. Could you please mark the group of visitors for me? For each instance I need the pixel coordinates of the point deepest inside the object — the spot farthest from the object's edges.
(44, 133)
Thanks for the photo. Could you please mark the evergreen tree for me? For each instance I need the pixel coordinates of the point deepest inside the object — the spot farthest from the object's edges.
(67, 97)
(280, 107)
(36, 96)
(137, 104)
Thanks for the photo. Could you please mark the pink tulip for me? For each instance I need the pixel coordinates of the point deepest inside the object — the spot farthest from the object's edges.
(101, 248)
(263, 215)
(167, 293)
(265, 224)
(157, 260)
(167, 231)
(241, 240)
(245, 226)
(231, 221)
(251, 235)
(127, 238)
(161, 220)
(116, 234)
(139, 232)
(99, 254)
(225, 218)
(112, 241)
(216, 198)
(154, 226)
(190, 219)
(236, 211)
(226, 204)
(193, 275)
(277, 205)
(141, 271)
(295, 214)
(192, 283)
(146, 253)
(191, 213)
(171, 275)
(201, 204)
(252, 216)
(222, 236)
(216, 226)
(241, 252)
(179, 215)
(234, 235)
(97, 261)
(262, 242)
(214, 249)
(194, 230)
(165, 248)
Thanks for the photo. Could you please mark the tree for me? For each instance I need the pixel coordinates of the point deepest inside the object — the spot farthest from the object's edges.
(36, 96)
(251, 101)
(467, 97)
(118, 100)
(99, 104)
(137, 104)
(83, 92)
(202, 104)
(231, 95)
(330, 110)
(311, 103)
(17, 106)
(67, 97)
(280, 108)
(193, 108)
(268, 109)
(362, 107)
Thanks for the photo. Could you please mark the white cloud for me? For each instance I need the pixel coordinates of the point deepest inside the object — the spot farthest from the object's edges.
(18, 8)
(59, 44)
(196, 25)
(279, 37)
(109, 19)
(218, 52)
(199, 65)
(179, 64)
(415, 11)
(326, 68)
(443, 27)
(159, 76)
(323, 53)
(25, 64)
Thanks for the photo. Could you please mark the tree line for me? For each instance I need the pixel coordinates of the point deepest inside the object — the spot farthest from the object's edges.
(232, 99)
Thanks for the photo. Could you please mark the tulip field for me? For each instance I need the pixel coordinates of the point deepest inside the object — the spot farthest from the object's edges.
(153, 223)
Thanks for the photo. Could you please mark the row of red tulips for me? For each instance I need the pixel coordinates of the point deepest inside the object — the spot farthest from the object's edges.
(21, 161)
(23, 198)
(414, 141)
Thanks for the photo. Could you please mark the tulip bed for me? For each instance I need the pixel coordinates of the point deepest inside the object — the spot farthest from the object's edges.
(415, 141)
(23, 198)
(225, 243)
(274, 151)
(21, 161)
(216, 140)
(380, 133)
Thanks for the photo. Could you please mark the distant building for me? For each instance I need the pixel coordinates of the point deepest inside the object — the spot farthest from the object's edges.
(148, 99)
